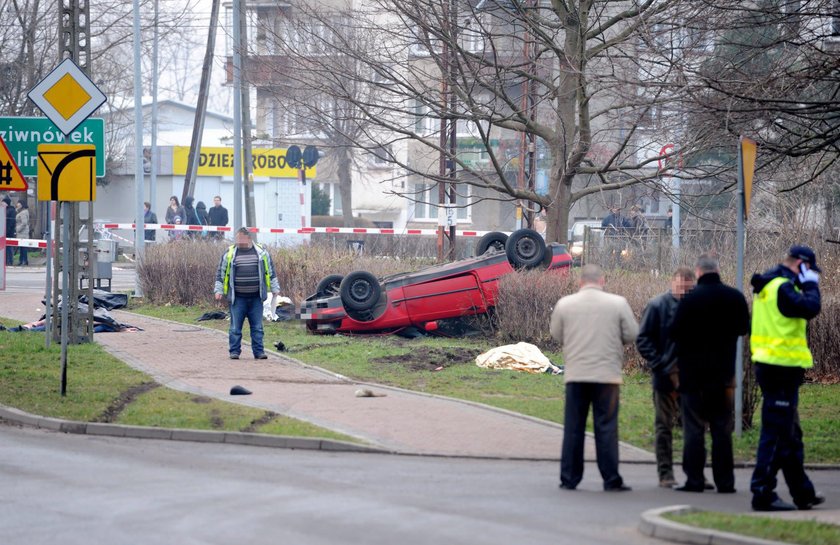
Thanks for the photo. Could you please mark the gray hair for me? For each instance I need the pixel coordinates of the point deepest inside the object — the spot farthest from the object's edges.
(591, 274)
(707, 263)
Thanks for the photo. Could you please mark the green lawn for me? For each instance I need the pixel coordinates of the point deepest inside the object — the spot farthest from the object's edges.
(805, 532)
(98, 382)
(411, 364)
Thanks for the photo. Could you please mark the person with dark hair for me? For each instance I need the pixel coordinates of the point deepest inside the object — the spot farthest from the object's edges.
(22, 230)
(11, 219)
(657, 348)
(175, 210)
(190, 214)
(708, 324)
(218, 216)
(245, 276)
(149, 217)
(592, 327)
(785, 298)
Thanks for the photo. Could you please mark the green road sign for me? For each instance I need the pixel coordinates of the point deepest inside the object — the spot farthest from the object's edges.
(23, 134)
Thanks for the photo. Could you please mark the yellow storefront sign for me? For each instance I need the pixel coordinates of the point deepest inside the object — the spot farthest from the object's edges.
(269, 163)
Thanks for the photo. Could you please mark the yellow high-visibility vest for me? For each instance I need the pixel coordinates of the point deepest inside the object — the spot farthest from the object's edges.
(777, 339)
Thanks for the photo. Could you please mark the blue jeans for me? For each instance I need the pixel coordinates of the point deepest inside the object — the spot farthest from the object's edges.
(251, 308)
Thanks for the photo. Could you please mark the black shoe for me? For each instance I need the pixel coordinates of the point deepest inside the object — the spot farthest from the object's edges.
(234, 356)
(818, 499)
(776, 505)
(619, 488)
(260, 356)
(687, 488)
(565, 486)
(730, 490)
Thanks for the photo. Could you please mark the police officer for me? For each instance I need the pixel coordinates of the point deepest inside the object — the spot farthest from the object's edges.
(785, 298)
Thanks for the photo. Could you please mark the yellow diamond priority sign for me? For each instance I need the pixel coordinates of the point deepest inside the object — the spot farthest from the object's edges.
(67, 96)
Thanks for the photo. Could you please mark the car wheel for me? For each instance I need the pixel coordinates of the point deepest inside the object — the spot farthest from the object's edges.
(493, 240)
(525, 248)
(360, 290)
(330, 285)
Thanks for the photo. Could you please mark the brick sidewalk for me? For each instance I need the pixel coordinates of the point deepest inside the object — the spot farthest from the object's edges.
(195, 359)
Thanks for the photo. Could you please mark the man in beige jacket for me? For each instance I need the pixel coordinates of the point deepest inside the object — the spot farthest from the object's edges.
(592, 327)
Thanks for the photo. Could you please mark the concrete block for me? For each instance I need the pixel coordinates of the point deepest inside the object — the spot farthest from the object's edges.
(70, 426)
(200, 436)
(679, 533)
(112, 430)
(142, 432)
(303, 443)
(255, 440)
(725, 538)
(19, 417)
(50, 423)
(341, 446)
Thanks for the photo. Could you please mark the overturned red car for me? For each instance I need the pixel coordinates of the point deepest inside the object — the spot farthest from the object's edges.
(361, 303)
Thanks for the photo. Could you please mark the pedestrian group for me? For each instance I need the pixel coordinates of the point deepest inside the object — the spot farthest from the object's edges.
(688, 337)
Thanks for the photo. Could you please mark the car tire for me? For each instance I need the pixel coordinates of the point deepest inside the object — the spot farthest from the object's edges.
(525, 249)
(494, 240)
(330, 285)
(360, 290)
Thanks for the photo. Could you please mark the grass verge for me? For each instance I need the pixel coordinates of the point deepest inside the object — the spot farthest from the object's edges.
(805, 532)
(97, 382)
(446, 366)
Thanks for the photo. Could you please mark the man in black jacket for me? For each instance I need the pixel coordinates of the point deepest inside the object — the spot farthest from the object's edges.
(218, 216)
(656, 346)
(707, 327)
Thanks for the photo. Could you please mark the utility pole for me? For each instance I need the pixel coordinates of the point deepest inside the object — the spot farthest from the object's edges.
(447, 214)
(75, 326)
(250, 208)
(201, 107)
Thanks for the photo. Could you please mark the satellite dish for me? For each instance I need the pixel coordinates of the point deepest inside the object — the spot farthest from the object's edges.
(293, 156)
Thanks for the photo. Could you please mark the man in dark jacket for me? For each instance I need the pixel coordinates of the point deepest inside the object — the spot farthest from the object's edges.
(149, 217)
(656, 346)
(786, 297)
(707, 327)
(11, 217)
(218, 215)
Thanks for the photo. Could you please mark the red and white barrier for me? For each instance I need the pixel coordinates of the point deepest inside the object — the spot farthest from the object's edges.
(291, 230)
(34, 243)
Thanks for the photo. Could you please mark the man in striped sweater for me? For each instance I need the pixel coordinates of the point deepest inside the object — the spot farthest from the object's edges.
(245, 276)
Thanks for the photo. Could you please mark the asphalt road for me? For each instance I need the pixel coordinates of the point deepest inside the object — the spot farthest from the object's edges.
(58, 488)
(34, 278)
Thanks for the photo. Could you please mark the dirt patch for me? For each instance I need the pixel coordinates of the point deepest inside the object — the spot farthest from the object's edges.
(117, 406)
(267, 417)
(216, 421)
(422, 358)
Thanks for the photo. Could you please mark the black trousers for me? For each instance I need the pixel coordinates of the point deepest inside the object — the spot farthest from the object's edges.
(780, 444)
(604, 401)
(712, 407)
(666, 407)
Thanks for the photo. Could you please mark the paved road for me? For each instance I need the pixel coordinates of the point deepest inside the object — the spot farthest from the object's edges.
(69, 489)
(33, 279)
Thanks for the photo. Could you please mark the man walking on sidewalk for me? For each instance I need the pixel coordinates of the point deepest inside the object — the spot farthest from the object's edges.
(786, 297)
(592, 327)
(245, 276)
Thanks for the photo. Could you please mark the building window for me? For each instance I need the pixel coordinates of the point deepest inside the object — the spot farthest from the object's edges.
(381, 157)
(332, 189)
(424, 122)
(426, 194)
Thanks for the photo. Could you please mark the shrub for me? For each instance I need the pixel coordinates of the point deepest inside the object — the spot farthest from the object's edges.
(180, 272)
(524, 303)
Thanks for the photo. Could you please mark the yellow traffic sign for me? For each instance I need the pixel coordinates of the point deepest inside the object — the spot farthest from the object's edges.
(66, 172)
(749, 150)
(67, 96)
(11, 178)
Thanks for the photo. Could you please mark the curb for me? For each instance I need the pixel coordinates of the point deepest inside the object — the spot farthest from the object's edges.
(23, 418)
(653, 524)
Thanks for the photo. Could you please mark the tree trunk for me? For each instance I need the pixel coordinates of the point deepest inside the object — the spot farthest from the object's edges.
(344, 163)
